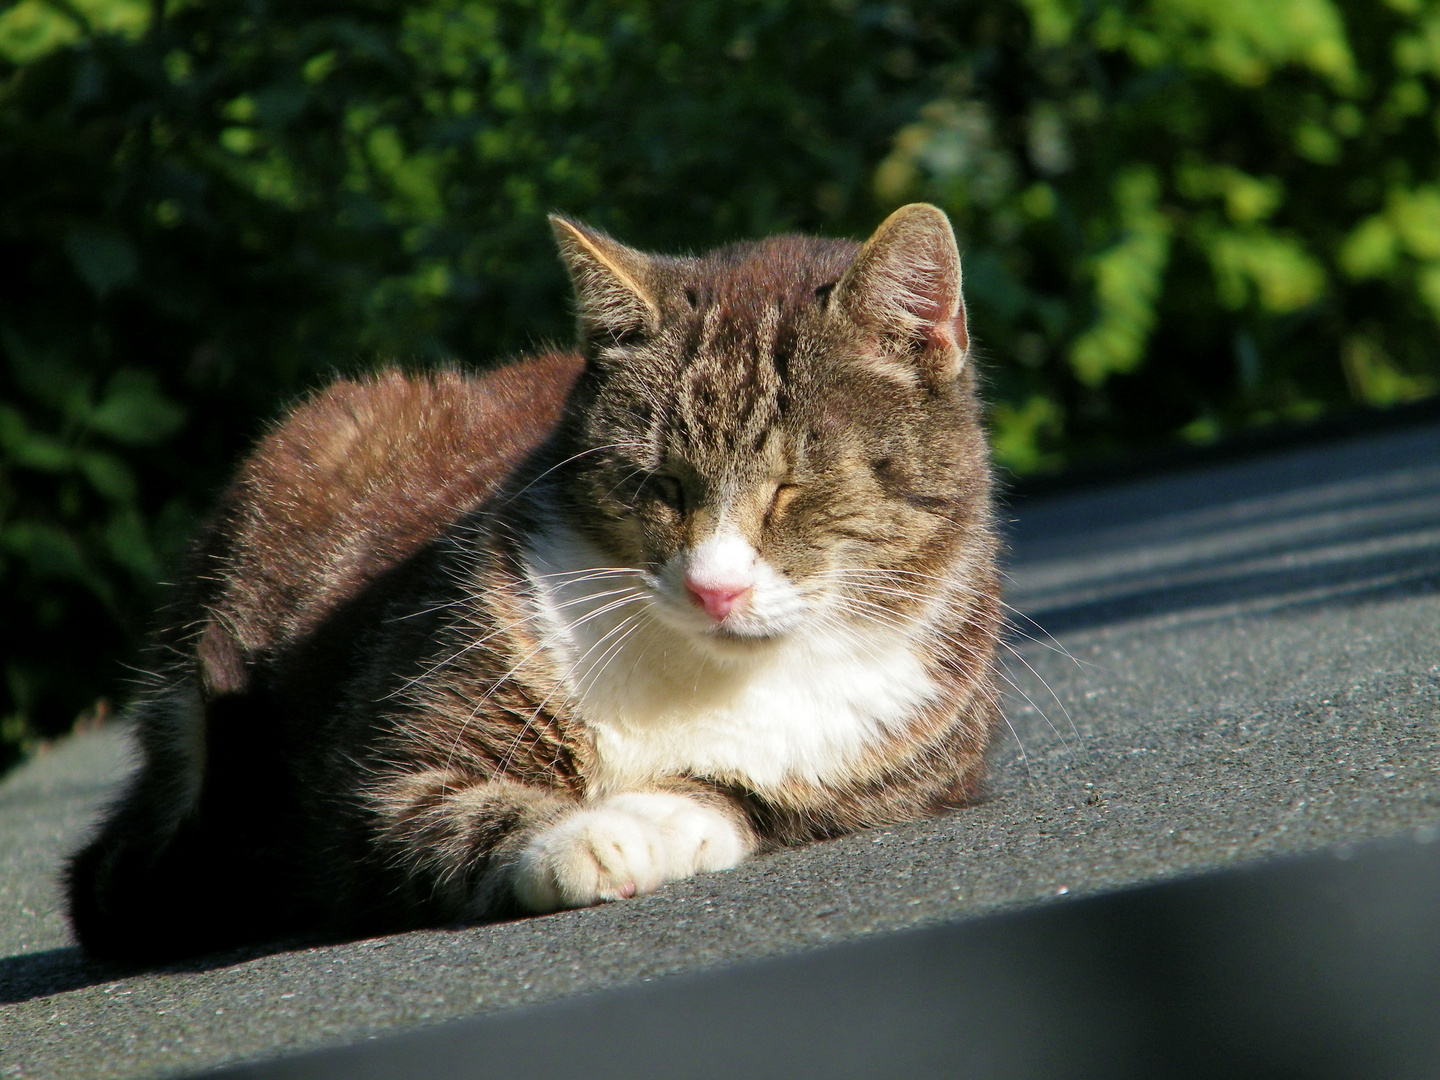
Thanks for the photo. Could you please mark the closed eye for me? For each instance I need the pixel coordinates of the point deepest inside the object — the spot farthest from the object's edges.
(669, 491)
(783, 497)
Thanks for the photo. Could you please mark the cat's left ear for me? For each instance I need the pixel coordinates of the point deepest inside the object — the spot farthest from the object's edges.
(614, 296)
(905, 285)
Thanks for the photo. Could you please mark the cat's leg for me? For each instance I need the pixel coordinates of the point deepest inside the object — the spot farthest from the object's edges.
(629, 844)
(480, 849)
(456, 840)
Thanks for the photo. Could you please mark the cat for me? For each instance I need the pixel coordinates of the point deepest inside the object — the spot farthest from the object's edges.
(458, 648)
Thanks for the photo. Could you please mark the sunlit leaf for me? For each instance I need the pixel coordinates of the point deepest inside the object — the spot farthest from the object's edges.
(1274, 271)
(1127, 283)
(1371, 250)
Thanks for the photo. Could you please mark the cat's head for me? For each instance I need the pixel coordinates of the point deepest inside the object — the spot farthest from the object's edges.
(783, 435)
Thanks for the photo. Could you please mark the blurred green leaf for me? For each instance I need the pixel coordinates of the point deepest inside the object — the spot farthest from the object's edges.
(1416, 218)
(1375, 379)
(134, 411)
(44, 374)
(103, 258)
(1274, 270)
(1127, 283)
(30, 449)
(32, 28)
(1019, 434)
(109, 475)
(36, 450)
(130, 545)
(48, 549)
(1371, 250)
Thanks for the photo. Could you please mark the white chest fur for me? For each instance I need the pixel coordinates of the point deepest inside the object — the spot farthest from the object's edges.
(660, 703)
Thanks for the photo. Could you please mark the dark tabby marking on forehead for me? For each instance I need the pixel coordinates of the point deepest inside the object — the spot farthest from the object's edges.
(458, 648)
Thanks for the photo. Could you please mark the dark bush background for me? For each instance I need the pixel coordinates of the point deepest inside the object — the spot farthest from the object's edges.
(1179, 219)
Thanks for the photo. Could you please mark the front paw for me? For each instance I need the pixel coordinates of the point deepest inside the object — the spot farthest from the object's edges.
(624, 847)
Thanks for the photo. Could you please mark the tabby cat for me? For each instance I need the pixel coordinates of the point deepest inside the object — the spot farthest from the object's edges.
(457, 648)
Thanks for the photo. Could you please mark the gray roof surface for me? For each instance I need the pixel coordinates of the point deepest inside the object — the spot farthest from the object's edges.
(1237, 662)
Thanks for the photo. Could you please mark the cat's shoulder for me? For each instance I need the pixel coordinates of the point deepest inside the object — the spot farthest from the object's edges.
(355, 425)
(438, 438)
(363, 475)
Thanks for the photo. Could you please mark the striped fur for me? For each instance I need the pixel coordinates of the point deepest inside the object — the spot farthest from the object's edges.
(459, 647)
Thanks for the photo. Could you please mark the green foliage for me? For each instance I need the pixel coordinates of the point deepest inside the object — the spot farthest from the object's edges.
(218, 205)
(1189, 215)
(1179, 216)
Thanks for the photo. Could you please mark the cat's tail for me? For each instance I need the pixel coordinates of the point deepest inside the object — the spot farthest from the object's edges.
(125, 887)
(131, 890)
(166, 876)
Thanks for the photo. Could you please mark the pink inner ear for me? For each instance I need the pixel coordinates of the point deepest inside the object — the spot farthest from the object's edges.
(948, 332)
(932, 305)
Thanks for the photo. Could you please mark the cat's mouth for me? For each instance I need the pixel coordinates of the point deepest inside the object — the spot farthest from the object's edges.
(739, 636)
(746, 632)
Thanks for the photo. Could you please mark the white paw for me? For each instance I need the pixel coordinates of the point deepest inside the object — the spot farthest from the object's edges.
(625, 846)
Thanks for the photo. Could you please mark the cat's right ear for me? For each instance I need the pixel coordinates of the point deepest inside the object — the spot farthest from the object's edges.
(613, 290)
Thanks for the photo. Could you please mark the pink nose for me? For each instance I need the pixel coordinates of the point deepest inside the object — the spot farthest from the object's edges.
(717, 600)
